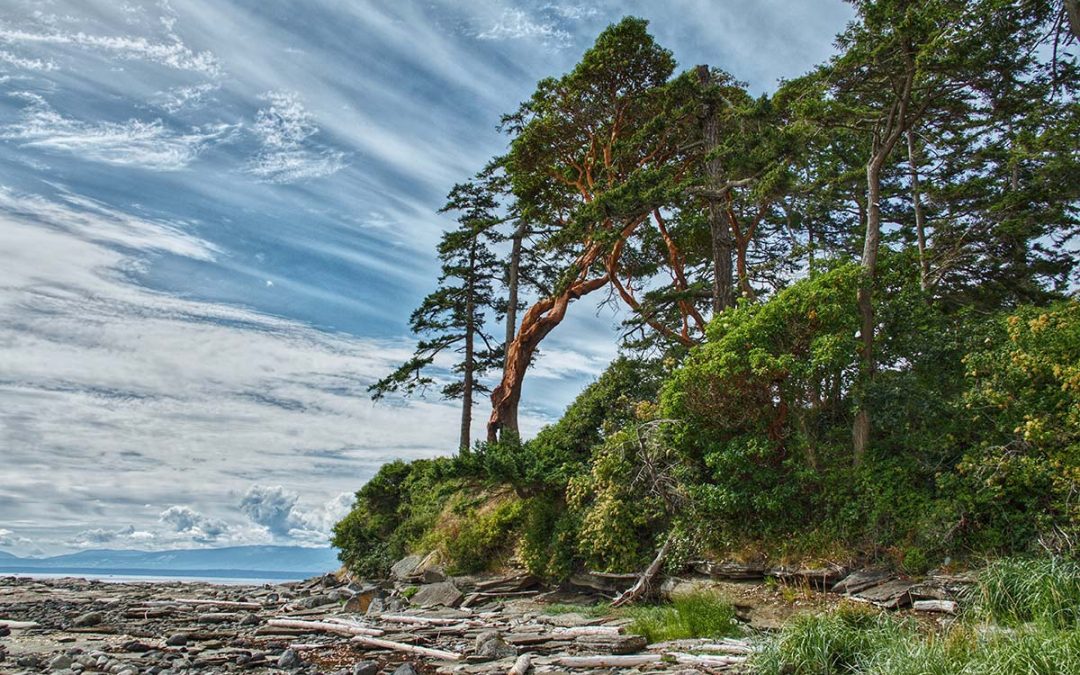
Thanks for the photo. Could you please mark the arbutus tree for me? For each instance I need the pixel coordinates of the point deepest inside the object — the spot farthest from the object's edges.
(594, 155)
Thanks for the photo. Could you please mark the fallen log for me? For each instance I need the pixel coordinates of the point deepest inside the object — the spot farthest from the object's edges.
(707, 659)
(324, 627)
(625, 661)
(945, 606)
(521, 666)
(409, 649)
(580, 631)
(11, 623)
(644, 582)
(253, 606)
(418, 620)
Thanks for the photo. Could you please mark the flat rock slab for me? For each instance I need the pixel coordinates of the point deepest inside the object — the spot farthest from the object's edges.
(444, 594)
(889, 595)
(860, 581)
(406, 567)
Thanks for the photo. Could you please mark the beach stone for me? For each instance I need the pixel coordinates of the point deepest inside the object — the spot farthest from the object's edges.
(61, 662)
(88, 619)
(365, 668)
(176, 640)
(444, 593)
(406, 566)
(289, 659)
(405, 669)
(491, 645)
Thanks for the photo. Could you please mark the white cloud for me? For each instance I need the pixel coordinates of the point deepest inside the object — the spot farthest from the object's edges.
(172, 54)
(179, 98)
(149, 145)
(25, 63)
(287, 155)
(279, 511)
(515, 24)
(185, 520)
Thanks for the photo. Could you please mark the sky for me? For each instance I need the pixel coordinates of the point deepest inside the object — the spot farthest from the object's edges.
(216, 217)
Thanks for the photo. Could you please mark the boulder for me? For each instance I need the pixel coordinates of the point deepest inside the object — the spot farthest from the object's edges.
(362, 599)
(88, 619)
(490, 646)
(444, 593)
(406, 567)
(405, 669)
(365, 668)
(289, 660)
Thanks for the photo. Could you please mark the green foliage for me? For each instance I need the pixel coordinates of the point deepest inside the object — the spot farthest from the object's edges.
(1019, 478)
(691, 616)
(480, 539)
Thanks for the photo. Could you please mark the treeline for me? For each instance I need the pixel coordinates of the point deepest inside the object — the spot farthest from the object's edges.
(847, 315)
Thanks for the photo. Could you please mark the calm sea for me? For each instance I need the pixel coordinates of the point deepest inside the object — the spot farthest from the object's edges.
(159, 576)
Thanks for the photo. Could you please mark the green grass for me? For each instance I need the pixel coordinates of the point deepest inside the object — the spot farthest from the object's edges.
(691, 616)
(1015, 591)
(1023, 620)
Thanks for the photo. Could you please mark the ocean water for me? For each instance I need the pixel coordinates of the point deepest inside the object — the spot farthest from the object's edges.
(158, 576)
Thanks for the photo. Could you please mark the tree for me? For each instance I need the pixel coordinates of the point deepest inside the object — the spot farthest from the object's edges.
(592, 156)
(452, 318)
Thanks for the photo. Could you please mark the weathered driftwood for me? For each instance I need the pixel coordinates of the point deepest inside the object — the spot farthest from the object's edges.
(617, 644)
(11, 623)
(418, 620)
(252, 606)
(521, 666)
(409, 649)
(707, 659)
(578, 631)
(324, 627)
(625, 661)
(644, 582)
(944, 606)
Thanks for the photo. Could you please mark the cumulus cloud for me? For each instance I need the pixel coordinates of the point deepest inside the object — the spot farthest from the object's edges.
(280, 512)
(185, 520)
(146, 144)
(287, 154)
(99, 536)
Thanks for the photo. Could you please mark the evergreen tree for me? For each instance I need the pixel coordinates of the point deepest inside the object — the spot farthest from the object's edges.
(452, 318)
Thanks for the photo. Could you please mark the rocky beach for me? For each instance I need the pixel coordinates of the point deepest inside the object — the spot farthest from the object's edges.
(419, 621)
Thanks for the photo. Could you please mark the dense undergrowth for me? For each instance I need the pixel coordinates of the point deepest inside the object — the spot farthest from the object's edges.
(1022, 619)
(742, 446)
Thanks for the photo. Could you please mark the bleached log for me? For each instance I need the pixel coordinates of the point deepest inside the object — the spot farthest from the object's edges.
(944, 606)
(580, 631)
(253, 606)
(521, 666)
(707, 659)
(418, 620)
(10, 623)
(625, 661)
(324, 627)
(409, 649)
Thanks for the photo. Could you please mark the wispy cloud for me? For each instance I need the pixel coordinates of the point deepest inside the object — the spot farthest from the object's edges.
(515, 24)
(16, 61)
(173, 54)
(288, 154)
(137, 143)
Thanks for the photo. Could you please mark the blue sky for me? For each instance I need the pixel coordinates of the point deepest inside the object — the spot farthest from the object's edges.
(216, 216)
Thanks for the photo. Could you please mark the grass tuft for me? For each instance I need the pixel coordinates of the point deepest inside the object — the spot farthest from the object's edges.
(1015, 591)
(691, 616)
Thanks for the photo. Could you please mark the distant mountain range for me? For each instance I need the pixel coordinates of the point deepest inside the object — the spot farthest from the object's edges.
(272, 562)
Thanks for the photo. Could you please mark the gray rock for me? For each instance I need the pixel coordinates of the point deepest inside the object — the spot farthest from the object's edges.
(61, 662)
(289, 660)
(433, 575)
(250, 620)
(405, 669)
(176, 640)
(490, 645)
(444, 593)
(406, 566)
(362, 599)
(88, 619)
(314, 601)
(365, 668)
